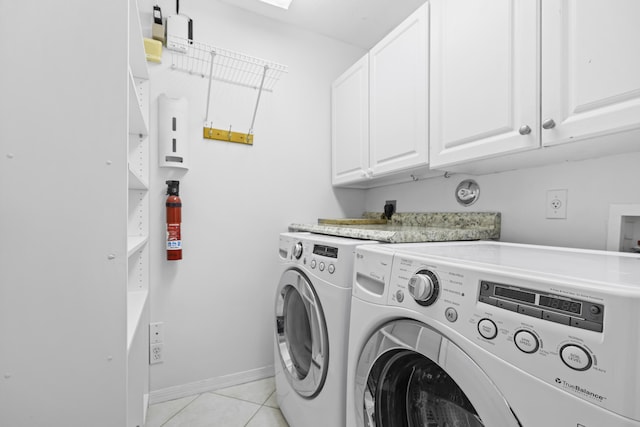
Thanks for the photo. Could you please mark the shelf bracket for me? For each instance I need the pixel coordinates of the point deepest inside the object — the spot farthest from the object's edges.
(255, 109)
(213, 57)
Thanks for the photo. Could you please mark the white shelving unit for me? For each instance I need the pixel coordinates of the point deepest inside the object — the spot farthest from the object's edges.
(138, 226)
(84, 297)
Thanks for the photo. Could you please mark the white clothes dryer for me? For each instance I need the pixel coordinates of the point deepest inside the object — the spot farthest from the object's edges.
(312, 307)
(493, 334)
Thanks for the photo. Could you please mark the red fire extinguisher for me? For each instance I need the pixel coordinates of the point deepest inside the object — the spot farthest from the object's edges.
(174, 218)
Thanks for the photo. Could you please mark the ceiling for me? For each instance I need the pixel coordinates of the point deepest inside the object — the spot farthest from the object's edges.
(358, 22)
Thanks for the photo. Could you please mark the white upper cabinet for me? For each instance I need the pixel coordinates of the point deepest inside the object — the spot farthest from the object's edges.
(380, 110)
(350, 124)
(398, 97)
(515, 75)
(590, 68)
(485, 92)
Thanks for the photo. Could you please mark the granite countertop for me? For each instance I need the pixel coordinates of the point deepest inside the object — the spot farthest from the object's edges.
(416, 227)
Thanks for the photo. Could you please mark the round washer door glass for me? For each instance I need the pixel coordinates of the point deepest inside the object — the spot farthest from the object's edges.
(301, 334)
(400, 384)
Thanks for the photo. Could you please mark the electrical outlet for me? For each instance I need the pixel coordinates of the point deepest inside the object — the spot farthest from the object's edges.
(156, 332)
(391, 202)
(156, 353)
(389, 212)
(557, 204)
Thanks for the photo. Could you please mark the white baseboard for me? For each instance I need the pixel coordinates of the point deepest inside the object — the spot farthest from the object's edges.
(210, 384)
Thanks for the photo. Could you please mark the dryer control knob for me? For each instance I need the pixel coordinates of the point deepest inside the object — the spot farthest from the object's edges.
(297, 250)
(423, 287)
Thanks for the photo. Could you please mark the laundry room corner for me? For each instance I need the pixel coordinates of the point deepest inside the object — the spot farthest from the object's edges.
(235, 202)
(592, 185)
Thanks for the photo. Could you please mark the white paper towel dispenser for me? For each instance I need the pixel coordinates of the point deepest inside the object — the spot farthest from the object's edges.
(172, 132)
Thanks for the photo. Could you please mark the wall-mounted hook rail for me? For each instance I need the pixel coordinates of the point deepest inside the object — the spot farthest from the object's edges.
(227, 135)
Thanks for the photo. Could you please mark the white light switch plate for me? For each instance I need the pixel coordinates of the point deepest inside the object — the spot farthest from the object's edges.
(156, 333)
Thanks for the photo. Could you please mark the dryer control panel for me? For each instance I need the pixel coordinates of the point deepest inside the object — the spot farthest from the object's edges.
(556, 327)
(327, 258)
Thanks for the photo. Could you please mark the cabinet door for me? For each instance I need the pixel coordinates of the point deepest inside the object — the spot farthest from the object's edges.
(350, 124)
(484, 82)
(398, 97)
(590, 68)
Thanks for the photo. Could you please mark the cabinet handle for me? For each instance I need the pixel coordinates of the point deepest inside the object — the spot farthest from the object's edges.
(548, 124)
(524, 130)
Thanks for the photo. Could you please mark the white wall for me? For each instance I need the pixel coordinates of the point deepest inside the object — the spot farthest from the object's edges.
(217, 303)
(521, 197)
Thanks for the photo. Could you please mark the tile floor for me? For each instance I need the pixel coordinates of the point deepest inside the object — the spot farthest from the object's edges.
(247, 405)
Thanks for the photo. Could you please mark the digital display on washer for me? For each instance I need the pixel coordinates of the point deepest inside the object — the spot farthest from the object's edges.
(544, 305)
(326, 251)
(561, 304)
(515, 294)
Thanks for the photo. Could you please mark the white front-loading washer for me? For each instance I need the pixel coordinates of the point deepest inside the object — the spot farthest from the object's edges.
(312, 311)
(493, 334)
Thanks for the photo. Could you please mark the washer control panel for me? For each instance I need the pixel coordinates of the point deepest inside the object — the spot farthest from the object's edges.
(543, 305)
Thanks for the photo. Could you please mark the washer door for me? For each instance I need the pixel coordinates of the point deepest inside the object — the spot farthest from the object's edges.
(301, 334)
(410, 375)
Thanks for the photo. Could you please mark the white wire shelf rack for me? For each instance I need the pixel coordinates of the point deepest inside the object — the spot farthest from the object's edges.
(227, 66)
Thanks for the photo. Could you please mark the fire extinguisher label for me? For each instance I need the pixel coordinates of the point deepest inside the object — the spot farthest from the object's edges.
(173, 237)
(174, 245)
